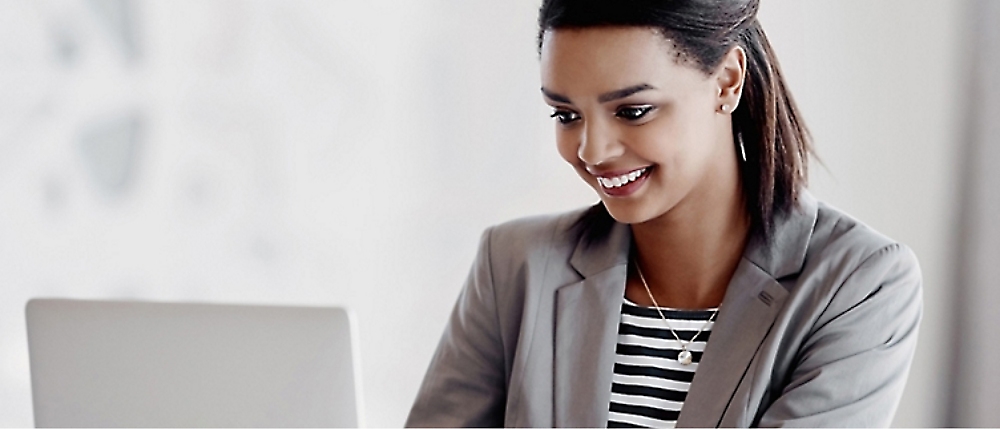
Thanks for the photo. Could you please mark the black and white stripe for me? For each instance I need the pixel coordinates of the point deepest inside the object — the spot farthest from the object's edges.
(649, 384)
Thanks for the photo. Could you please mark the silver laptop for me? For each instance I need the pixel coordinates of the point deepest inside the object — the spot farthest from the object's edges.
(142, 364)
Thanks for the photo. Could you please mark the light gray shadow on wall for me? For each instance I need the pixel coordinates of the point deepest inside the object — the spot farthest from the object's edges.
(109, 149)
(975, 373)
(118, 18)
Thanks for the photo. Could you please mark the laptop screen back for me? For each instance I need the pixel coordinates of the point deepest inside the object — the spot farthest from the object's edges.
(140, 364)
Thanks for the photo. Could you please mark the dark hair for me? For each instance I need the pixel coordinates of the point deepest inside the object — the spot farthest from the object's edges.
(776, 140)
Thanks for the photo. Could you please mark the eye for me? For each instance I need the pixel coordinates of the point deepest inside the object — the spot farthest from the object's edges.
(633, 113)
(565, 116)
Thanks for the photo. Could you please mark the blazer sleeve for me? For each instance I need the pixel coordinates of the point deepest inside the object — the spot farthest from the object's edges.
(851, 369)
(465, 383)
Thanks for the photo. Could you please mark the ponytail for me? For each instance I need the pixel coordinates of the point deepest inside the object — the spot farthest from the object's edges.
(776, 141)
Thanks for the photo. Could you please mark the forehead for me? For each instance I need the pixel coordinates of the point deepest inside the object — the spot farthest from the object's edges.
(607, 58)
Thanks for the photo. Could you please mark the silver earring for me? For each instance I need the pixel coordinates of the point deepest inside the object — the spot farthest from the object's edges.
(743, 152)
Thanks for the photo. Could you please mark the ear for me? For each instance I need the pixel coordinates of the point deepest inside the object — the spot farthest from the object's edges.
(729, 76)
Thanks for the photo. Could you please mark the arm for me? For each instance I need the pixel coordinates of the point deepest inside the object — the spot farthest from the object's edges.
(851, 369)
(465, 383)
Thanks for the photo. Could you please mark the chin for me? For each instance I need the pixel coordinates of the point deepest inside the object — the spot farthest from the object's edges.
(628, 213)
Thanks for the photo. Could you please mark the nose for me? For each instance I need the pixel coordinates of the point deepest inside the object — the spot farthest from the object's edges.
(599, 143)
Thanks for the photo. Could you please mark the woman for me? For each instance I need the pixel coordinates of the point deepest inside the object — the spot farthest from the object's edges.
(707, 288)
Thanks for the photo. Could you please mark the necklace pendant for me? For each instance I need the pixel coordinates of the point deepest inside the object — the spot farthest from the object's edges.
(684, 357)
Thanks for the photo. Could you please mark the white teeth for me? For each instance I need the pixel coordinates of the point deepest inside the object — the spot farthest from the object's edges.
(617, 182)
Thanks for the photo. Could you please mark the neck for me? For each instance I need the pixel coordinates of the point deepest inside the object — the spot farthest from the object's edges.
(689, 255)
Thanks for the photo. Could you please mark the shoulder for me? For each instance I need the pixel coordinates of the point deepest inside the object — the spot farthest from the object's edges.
(848, 263)
(841, 240)
(530, 253)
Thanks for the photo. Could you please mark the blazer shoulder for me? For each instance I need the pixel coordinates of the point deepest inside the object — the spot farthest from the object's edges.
(843, 249)
(838, 233)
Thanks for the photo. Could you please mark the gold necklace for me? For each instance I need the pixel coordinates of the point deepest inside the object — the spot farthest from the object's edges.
(684, 357)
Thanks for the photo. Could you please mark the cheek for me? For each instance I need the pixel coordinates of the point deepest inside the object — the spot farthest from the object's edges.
(656, 142)
(567, 145)
(679, 141)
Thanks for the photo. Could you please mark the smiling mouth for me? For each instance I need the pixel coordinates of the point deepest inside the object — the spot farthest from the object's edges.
(622, 180)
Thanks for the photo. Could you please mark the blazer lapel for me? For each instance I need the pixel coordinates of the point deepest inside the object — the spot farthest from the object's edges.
(586, 331)
(587, 315)
(745, 317)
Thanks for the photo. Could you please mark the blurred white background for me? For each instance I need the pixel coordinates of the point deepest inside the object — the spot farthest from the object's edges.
(350, 153)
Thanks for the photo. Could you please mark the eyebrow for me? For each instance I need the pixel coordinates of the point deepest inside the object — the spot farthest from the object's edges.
(603, 98)
(555, 97)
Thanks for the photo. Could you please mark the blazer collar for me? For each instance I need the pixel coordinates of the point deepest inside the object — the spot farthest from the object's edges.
(588, 313)
(786, 252)
(593, 258)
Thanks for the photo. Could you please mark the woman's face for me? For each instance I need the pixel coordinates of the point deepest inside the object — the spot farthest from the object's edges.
(643, 128)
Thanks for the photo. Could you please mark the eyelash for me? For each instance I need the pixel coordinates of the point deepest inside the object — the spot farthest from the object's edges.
(633, 113)
(630, 113)
(565, 117)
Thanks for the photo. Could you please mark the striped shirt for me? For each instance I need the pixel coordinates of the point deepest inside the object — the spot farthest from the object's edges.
(649, 384)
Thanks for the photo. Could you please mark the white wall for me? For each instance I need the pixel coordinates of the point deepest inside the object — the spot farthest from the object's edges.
(311, 152)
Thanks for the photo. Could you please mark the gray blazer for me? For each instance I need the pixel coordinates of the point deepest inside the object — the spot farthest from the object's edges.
(816, 329)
